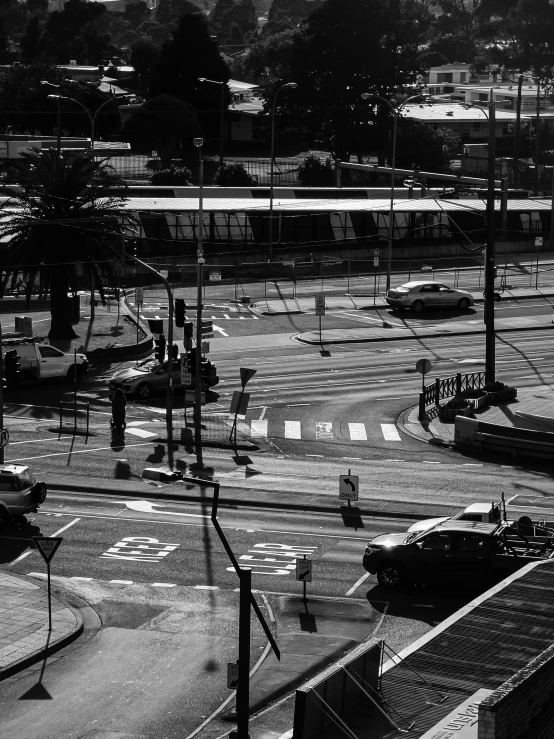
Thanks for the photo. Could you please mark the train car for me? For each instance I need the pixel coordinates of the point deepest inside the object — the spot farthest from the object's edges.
(242, 225)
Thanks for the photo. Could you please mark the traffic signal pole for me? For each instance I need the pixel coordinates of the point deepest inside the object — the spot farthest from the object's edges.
(490, 247)
(200, 264)
(169, 391)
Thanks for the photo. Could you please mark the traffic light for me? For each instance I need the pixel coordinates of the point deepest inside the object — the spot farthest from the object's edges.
(180, 312)
(11, 368)
(159, 351)
(207, 329)
(189, 329)
(208, 373)
(175, 353)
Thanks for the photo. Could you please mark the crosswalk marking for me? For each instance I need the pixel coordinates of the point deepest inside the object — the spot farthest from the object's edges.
(293, 430)
(390, 432)
(259, 428)
(324, 431)
(357, 431)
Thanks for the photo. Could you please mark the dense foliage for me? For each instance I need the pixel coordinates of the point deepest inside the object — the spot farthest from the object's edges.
(233, 174)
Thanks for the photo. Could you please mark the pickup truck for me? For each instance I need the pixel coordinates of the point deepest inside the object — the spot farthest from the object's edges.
(452, 549)
(20, 492)
(43, 361)
(481, 512)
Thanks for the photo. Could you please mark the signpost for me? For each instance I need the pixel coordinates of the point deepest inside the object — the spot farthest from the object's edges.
(349, 486)
(320, 309)
(304, 572)
(4, 437)
(215, 276)
(423, 366)
(186, 377)
(48, 546)
(375, 264)
(232, 675)
(239, 406)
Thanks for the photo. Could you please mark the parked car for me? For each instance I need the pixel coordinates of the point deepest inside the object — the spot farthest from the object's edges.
(482, 512)
(20, 492)
(419, 296)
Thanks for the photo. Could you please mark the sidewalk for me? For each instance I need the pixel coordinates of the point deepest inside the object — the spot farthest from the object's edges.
(367, 301)
(24, 636)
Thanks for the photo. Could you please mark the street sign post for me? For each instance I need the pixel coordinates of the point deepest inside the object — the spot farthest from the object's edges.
(186, 377)
(349, 486)
(375, 264)
(304, 572)
(48, 546)
(215, 276)
(139, 295)
(232, 675)
(239, 403)
(320, 309)
(423, 366)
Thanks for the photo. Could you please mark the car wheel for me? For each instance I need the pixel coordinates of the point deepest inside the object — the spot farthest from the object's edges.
(42, 492)
(144, 390)
(391, 576)
(417, 306)
(463, 304)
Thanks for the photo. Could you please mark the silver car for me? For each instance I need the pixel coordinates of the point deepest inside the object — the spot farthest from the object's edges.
(418, 296)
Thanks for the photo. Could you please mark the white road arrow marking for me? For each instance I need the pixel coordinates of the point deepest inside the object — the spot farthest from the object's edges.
(145, 506)
(221, 331)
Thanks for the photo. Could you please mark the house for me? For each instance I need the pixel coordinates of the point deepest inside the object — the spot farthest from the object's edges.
(470, 124)
(245, 112)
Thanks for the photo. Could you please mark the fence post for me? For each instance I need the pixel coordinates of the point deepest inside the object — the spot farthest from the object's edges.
(437, 391)
(458, 383)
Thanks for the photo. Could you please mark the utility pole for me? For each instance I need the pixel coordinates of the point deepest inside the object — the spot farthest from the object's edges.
(518, 126)
(489, 250)
(200, 264)
(243, 687)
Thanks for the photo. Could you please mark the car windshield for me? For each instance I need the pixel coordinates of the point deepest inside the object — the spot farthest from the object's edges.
(147, 366)
(412, 537)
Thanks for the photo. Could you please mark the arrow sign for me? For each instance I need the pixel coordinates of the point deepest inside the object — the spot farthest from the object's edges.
(232, 675)
(47, 545)
(348, 487)
(304, 570)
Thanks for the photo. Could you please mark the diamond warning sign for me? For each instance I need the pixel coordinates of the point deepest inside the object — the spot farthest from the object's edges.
(47, 545)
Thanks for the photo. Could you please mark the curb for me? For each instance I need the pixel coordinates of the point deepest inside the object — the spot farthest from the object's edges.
(53, 647)
(132, 351)
(437, 335)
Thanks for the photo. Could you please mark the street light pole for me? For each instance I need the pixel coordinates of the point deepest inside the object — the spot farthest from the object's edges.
(518, 126)
(293, 86)
(490, 247)
(221, 114)
(200, 254)
(396, 114)
(92, 118)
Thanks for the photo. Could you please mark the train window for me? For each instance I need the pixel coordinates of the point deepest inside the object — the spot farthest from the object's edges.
(401, 224)
(363, 223)
(181, 226)
(156, 226)
(531, 221)
(342, 226)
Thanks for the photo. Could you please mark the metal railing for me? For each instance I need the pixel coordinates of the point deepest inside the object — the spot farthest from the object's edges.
(448, 387)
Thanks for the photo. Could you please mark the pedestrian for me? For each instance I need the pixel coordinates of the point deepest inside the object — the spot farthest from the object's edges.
(119, 404)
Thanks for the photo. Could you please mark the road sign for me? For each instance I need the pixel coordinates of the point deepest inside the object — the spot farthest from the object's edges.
(375, 261)
(232, 675)
(215, 276)
(348, 487)
(246, 375)
(239, 403)
(206, 347)
(4, 437)
(47, 545)
(186, 377)
(320, 304)
(423, 366)
(304, 570)
(538, 240)
(139, 295)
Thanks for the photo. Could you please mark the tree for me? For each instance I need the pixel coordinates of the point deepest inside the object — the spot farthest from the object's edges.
(190, 54)
(169, 10)
(55, 220)
(162, 123)
(374, 42)
(172, 176)
(313, 172)
(233, 174)
(25, 107)
(144, 55)
(420, 147)
(453, 31)
(30, 41)
(267, 60)
(240, 14)
(136, 13)
(76, 33)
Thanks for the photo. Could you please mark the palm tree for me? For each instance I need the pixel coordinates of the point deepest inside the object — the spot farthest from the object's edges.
(57, 221)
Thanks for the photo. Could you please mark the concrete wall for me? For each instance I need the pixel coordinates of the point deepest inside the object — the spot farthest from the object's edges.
(511, 709)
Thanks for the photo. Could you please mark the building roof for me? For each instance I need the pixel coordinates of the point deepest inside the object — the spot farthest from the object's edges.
(238, 86)
(448, 112)
(481, 646)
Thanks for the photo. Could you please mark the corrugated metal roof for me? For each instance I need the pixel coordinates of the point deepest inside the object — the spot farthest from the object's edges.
(481, 649)
(325, 205)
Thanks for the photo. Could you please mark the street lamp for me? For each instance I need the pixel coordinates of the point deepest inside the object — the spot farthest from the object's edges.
(198, 142)
(489, 249)
(292, 86)
(59, 115)
(221, 114)
(395, 110)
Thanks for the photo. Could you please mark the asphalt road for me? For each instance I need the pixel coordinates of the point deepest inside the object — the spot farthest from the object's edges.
(164, 587)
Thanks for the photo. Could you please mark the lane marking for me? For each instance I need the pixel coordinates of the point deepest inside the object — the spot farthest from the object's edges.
(390, 432)
(163, 585)
(324, 431)
(357, 431)
(142, 433)
(75, 451)
(146, 506)
(258, 428)
(357, 584)
(29, 550)
(293, 430)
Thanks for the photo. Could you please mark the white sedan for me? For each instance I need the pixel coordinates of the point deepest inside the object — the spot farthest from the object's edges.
(418, 296)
